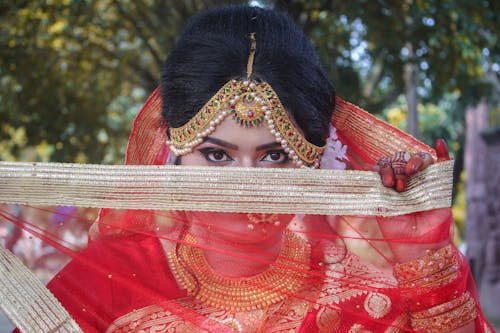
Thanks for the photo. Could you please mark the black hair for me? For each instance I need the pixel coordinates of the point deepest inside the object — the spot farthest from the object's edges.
(214, 49)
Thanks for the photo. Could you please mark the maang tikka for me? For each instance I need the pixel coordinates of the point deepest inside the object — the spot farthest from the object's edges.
(250, 103)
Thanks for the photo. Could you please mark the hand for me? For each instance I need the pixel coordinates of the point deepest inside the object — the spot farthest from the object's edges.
(394, 171)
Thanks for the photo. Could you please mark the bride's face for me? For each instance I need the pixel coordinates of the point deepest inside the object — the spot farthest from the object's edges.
(233, 145)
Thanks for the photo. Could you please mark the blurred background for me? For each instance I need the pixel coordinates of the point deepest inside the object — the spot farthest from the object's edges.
(73, 74)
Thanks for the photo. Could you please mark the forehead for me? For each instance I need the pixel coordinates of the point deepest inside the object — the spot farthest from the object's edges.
(229, 130)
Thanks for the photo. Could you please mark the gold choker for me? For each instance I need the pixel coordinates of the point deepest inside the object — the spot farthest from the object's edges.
(194, 274)
(250, 103)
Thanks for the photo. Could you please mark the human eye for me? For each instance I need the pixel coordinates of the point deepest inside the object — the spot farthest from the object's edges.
(276, 156)
(215, 155)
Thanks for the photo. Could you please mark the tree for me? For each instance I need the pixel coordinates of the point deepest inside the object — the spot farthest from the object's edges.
(446, 39)
(74, 73)
(377, 51)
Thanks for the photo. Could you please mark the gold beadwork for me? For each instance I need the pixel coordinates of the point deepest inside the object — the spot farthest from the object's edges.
(250, 103)
(263, 218)
(245, 293)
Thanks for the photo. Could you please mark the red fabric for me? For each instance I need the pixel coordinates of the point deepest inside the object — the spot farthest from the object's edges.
(114, 277)
(124, 270)
(120, 275)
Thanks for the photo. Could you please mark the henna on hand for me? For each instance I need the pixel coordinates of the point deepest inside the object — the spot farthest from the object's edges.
(399, 162)
(394, 171)
(386, 172)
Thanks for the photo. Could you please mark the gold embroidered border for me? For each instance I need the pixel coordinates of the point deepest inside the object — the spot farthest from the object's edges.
(286, 316)
(153, 318)
(26, 301)
(446, 317)
(399, 325)
(251, 190)
(435, 269)
(348, 278)
(328, 319)
(376, 137)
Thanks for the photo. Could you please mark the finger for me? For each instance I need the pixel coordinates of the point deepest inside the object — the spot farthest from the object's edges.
(427, 159)
(401, 181)
(386, 172)
(414, 165)
(399, 162)
(441, 150)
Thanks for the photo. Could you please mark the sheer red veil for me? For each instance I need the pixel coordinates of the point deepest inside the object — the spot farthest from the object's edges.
(353, 266)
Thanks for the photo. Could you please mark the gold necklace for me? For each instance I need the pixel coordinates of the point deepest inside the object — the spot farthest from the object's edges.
(243, 293)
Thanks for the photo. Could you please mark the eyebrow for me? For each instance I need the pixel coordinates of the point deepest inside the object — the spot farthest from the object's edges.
(221, 143)
(229, 145)
(270, 145)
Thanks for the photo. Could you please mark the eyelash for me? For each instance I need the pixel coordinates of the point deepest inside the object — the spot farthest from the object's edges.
(208, 151)
(282, 152)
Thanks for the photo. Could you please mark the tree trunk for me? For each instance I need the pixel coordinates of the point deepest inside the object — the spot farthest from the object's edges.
(482, 236)
(411, 83)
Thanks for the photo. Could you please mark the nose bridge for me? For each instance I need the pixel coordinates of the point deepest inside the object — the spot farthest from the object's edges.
(247, 161)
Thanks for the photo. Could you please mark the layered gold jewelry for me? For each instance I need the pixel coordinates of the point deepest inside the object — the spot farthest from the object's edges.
(284, 277)
(250, 103)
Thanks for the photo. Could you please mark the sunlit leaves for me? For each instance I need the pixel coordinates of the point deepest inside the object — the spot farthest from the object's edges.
(71, 71)
(447, 37)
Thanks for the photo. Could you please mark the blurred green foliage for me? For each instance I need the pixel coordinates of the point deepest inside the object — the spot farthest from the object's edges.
(451, 41)
(73, 73)
(494, 120)
(438, 120)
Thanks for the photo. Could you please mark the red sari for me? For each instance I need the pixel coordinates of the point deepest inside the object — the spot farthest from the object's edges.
(354, 274)
(113, 301)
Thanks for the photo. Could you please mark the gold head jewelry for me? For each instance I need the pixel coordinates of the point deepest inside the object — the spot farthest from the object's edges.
(253, 47)
(250, 103)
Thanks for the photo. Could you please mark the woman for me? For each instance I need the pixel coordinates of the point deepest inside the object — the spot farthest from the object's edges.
(243, 87)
